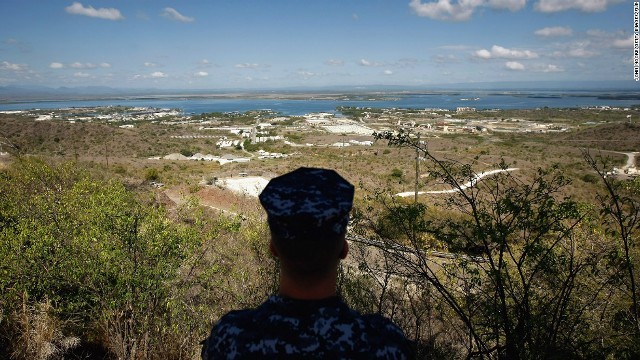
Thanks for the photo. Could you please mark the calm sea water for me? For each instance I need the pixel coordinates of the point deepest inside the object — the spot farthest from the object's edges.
(478, 100)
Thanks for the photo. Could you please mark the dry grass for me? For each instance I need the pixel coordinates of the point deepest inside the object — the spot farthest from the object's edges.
(39, 334)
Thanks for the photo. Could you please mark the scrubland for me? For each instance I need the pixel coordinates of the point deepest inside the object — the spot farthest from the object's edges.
(98, 261)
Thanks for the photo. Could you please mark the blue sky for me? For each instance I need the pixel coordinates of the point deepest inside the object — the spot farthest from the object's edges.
(212, 44)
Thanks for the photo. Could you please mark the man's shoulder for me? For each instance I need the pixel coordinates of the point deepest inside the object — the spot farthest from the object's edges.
(281, 326)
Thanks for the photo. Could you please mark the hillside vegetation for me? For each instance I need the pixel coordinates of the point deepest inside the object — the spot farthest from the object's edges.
(98, 261)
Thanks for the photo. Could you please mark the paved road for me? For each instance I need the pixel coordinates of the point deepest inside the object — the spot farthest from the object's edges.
(631, 160)
(471, 183)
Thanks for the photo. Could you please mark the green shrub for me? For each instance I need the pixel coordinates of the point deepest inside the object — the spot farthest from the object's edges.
(152, 174)
(90, 260)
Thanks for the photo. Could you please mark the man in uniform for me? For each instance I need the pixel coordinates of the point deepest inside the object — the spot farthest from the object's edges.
(307, 211)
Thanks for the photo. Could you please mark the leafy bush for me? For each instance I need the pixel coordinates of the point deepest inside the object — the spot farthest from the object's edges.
(113, 269)
(152, 174)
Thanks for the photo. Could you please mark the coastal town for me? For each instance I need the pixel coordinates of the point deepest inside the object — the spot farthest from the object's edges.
(261, 135)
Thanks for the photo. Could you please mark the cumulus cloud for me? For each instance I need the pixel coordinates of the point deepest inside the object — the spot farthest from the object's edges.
(103, 13)
(173, 14)
(623, 43)
(460, 10)
(514, 65)
(81, 74)
(387, 72)
(56, 65)
(5, 65)
(504, 53)
(201, 74)
(554, 31)
(483, 54)
(550, 6)
(513, 5)
(105, 65)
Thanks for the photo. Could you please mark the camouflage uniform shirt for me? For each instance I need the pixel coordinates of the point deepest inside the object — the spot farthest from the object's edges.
(311, 329)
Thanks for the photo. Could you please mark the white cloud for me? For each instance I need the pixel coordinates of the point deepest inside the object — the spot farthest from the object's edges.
(153, 75)
(150, 64)
(158, 74)
(81, 74)
(501, 52)
(201, 74)
(582, 5)
(246, 66)
(554, 31)
(365, 62)
(623, 43)
(578, 49)
(173, 14)
(599, 39)
(5, 65)
(444, 10)
(552, 68)
(484, 54)
(504, 53)
(388, 72)
(460, 10)
(580, 53)
(79, 65)
(514, 65)
(513, 5)
(103, 13)
(445, 59)
(306, 75)
(334, 62)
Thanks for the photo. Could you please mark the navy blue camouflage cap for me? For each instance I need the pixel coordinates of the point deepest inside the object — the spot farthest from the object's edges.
(308, 203)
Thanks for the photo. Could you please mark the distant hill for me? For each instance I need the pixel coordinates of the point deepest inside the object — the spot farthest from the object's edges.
(614, 137)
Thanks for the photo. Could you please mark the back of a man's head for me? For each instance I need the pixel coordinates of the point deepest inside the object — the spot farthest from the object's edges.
(308, 211)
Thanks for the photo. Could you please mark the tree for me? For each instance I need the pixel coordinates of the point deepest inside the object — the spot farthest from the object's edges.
(620, 217)
(509, 258)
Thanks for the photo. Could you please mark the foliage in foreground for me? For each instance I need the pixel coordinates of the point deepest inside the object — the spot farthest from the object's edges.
(89, 268)
(511, 269)
(506, 269)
